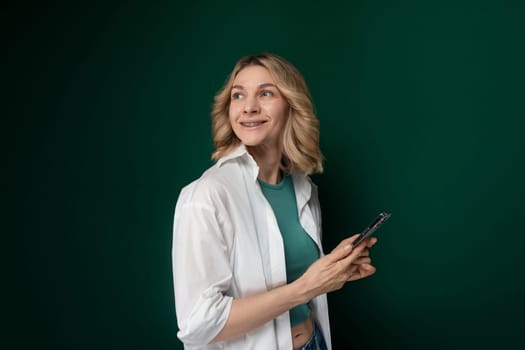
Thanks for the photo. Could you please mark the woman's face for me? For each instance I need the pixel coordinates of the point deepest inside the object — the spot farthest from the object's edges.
(258, 111)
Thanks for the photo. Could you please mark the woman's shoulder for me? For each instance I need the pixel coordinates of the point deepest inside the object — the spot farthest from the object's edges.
(213, 185)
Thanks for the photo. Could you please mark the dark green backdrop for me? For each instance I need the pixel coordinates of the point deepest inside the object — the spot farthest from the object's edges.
(421, 109)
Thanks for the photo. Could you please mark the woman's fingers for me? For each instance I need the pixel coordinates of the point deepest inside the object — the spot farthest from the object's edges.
(343, 249)
(362, 271)
(344, 263)
(365, 252)
(354, 254)
(352, 270)
(362, 260)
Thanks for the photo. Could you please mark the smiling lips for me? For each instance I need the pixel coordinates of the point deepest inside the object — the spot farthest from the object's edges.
(252, 124)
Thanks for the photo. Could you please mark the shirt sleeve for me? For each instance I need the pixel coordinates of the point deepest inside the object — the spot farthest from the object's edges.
(202, 272)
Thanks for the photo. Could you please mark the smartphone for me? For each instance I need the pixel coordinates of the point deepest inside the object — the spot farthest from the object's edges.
(370, 229)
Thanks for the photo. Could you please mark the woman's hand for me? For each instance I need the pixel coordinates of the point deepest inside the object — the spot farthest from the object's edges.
(343, 264)
(327, 274)
(362, 266)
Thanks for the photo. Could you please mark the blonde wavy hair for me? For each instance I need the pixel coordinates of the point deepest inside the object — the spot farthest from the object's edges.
(301, 133)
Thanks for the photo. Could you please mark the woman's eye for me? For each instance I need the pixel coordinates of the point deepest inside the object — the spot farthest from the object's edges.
(236, 96)
(267, 93)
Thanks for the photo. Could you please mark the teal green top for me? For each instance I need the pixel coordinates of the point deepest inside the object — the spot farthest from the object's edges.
(299, 249)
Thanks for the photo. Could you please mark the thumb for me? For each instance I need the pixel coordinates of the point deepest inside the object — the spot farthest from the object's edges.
(343, 249)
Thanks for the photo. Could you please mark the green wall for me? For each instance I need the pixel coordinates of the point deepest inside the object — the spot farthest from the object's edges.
(421, 109)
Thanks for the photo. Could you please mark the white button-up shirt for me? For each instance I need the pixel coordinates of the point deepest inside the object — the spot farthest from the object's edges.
(227, 245)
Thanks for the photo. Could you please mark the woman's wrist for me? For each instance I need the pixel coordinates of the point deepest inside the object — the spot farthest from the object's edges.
(302, 291)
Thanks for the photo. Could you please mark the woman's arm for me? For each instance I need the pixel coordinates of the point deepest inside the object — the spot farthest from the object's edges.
(327, 274)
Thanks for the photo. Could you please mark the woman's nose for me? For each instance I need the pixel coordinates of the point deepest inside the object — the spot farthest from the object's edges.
(251, 105)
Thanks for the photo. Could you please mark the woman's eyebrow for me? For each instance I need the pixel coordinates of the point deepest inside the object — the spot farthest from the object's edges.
(265, 85)
(261, 86)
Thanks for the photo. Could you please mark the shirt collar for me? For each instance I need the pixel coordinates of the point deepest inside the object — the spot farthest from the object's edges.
(239, 152)
(303, 186)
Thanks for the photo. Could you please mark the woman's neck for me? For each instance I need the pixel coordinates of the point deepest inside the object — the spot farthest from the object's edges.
(269, 162)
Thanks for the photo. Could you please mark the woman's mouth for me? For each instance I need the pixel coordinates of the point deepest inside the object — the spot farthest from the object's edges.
(252, 124)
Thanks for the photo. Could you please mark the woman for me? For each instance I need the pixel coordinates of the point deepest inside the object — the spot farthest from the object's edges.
(249, 271)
